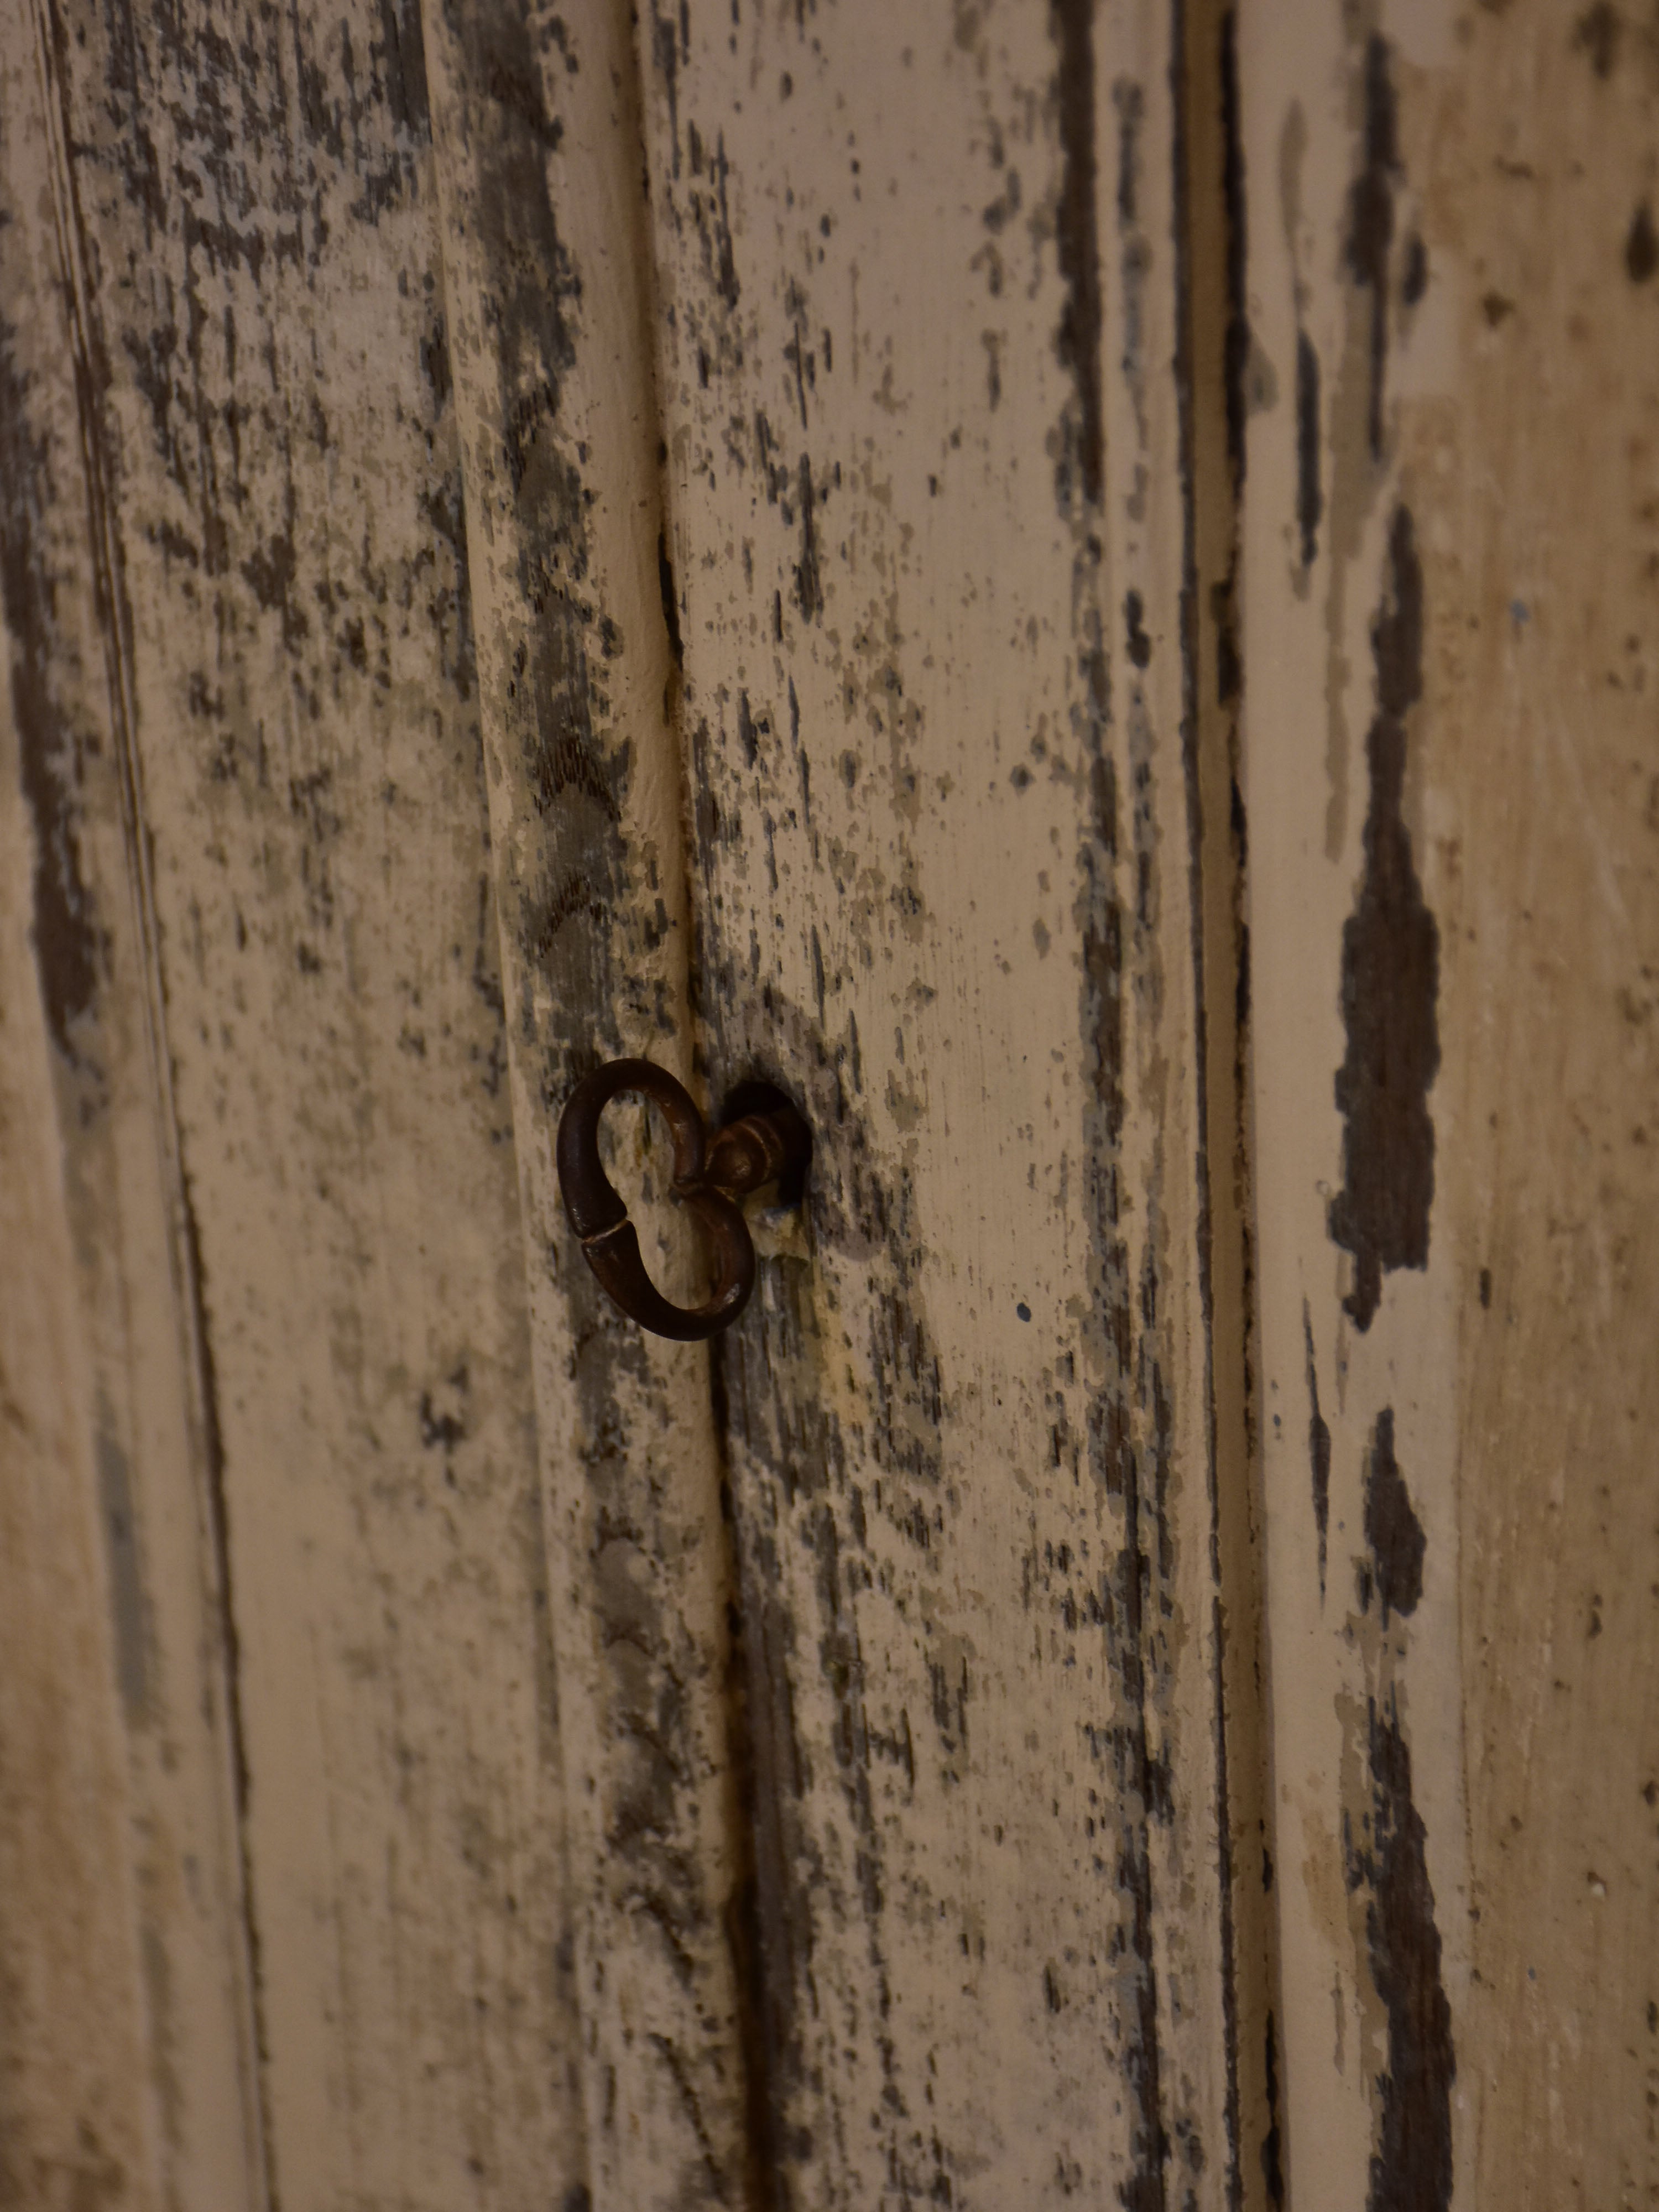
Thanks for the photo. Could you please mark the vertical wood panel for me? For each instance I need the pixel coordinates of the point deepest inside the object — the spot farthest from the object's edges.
(547, 270)
(250, 245)
(77, 2077)
(129, 2060)
(918, 319)
(1448, 627)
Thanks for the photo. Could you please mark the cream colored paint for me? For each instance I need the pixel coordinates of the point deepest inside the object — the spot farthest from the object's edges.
(129, 2060)
(891, 908)
(1515, 419)
(563, 526)
(81, 2108)
(680, 1779)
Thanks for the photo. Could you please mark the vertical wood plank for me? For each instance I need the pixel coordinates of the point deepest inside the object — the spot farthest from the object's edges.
(77, 2112)
(247, 235)
(918, 328)
(129, 2067)
(548, 281)
(1455, 898)
(1211, 328)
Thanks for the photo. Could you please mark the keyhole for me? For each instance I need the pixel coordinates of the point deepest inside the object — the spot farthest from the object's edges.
(756, 1095)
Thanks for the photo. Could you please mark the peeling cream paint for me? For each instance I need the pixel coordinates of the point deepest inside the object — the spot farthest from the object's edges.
(1013, 578)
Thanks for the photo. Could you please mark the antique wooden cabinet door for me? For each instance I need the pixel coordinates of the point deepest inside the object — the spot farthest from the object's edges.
(1069, 586)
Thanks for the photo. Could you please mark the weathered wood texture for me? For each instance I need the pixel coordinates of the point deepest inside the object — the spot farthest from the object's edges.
(127, 2050)
(918, 285)
(264, 630)
(83, 2050)
(77, 2109)
(1448, 563)
(547, 274)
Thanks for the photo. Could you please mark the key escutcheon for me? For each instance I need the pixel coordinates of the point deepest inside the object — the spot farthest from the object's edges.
(710, 1175)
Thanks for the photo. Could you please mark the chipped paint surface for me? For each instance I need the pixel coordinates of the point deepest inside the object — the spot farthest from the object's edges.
(598, 543)
(545, 271)
(917, 288)
(1453, 899)
(268, 828)
(528, 536)
(74, 2047)
(128, 2064)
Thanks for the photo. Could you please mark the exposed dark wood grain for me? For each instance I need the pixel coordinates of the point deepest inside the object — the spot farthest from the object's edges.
(129, 2061)
(1390, 978)
(1446, 216)
(916, 319)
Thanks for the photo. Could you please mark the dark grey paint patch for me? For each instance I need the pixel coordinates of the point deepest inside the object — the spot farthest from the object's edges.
(1641, 245)
(1129, 1602)
(1390, 979)
(1411, 2165)
(1319, 1449)
(1078, 243)
(68, 944)
(670, 45)
(125, 1581)
(1393, 1532)
(1310, 497)
(1195, 212)
(712, 215)
(1370, 215)
(809, 582)
(1130, 1590)
(398, 60)
(670, 604)
(1414, 277)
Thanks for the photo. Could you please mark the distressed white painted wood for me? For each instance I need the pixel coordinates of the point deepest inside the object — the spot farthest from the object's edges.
(917, 320)
(1454, 891)
(88, 2049)
(459, 1752)
(264, 633)
(128, 2069)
